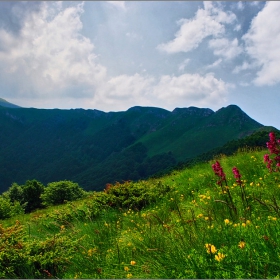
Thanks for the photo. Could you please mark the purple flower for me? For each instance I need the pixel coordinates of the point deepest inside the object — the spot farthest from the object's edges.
(218, 170)
(236, 174)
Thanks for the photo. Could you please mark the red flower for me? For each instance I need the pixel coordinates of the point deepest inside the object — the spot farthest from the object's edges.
(218, 170)
(236, 174)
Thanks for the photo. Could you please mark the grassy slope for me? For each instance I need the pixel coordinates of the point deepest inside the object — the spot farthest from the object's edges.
(167, 238)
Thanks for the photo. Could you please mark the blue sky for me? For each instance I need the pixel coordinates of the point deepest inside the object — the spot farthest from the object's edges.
(112, 55)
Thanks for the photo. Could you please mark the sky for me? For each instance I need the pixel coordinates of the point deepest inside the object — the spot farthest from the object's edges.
(113, 55)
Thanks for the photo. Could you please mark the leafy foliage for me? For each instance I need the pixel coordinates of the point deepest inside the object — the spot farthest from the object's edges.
(60, 192)
(28, 195)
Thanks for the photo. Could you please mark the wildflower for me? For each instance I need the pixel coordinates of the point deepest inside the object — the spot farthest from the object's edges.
(227, 221)
(251, 184)
(133, 262)
(236, 175)
(90, 252)
(219, 257)
(62, 227)
(243, 224)
(129, 275)
(241, 244)
(274, 148)
(126, 268)
(218, 170)
(211, 249)
(199, 215)
(248, 222)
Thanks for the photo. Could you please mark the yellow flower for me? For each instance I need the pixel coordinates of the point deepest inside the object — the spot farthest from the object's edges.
(251, 184)
(129, 275)
(133, 262)
(62, 227)
(243, 224)
(211, 249)
(226, 221)
(126, 268)
(92, 251)
(206, 218)
(241, 244)
(248, 222)
(200, 215)
(219, 257)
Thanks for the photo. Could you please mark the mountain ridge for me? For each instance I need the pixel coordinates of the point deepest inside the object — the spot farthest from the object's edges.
(93, 147)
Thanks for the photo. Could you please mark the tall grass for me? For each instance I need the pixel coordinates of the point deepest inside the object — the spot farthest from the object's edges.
(178, 226)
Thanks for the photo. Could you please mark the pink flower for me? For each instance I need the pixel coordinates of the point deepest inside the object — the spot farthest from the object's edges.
(274, 148)
(218, 170)
(236, 174)
(266, 158)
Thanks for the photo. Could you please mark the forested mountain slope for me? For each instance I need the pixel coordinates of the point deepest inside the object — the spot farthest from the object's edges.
(93, 148)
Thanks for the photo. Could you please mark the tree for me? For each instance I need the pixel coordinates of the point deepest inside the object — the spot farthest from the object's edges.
(59, 192)
(31, 193)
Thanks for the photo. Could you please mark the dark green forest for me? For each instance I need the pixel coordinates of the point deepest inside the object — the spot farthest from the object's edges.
(94, 148)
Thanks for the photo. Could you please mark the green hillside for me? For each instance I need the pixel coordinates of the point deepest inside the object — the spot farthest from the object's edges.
(182, 225)
(93, 148)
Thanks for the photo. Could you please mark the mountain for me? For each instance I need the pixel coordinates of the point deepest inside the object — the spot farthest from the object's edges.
(93, 148)
(5, 103)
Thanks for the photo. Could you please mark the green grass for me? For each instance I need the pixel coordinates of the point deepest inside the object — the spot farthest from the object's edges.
(157, 228)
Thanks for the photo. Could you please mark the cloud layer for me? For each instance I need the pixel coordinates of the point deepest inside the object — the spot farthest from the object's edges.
(263, 44)
(209, 21)
(51, 59)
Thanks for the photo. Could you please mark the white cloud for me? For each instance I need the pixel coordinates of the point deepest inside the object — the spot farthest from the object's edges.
(50, 54)
(118, 4)
(245, 66)
(237, 27)
(209, 21)
(240, 5)
(189, 89)
(263, 43)
(225, 48)
(215, 64)
(183, 64)
(192, 89)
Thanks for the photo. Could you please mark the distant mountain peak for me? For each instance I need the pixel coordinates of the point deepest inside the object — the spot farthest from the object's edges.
(193, 111)
(5, 103)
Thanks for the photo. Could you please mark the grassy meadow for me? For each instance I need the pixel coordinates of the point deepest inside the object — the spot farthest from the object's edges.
(182, 225)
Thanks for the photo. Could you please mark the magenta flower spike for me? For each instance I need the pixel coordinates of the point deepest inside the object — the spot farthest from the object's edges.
(236, 174)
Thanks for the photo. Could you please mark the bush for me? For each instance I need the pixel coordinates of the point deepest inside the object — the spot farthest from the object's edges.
(5, 208)
(31, 193)
(9, 209)
(59, 192)
(28, 195)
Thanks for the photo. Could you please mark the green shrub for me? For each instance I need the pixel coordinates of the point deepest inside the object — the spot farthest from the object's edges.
(5, 208)
(31, 193)
(28, 195)
(9, 209)
(58, 192)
